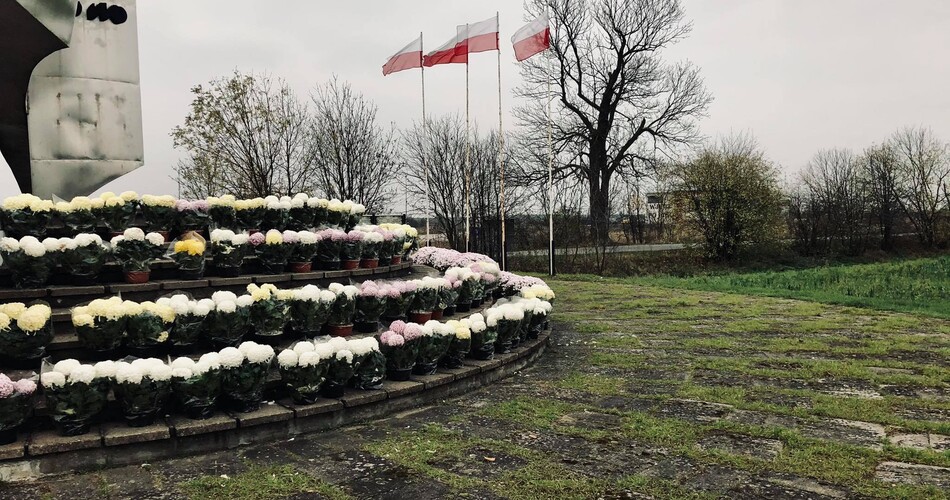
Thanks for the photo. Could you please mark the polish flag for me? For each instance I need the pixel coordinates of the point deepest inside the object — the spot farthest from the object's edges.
(481, 36)
(408, 58)
(450, 52)
(533, 38)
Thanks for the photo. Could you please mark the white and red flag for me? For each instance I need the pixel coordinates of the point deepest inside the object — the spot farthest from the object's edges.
(470, 38)
(533, 38)
(450, 52)
(408, 57)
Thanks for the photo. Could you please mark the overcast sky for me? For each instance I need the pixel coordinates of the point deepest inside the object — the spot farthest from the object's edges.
(801, 75)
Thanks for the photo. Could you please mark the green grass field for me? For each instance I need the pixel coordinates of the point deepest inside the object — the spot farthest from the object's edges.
(920, 285)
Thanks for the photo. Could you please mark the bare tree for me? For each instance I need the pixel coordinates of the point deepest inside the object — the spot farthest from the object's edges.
(923, 172)
(245, 135)
(355, 157)
(618, 103)
(881, 174)
(835, 179)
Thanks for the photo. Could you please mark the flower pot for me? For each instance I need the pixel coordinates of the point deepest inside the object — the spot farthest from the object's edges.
(385, 261)
(271, 340)
(329, 265)
(475, 303)
(191, 274)
(338, 330)
(164, 235)
(136, 277)
(366, 327)
(463, 307)
(397, 259)
(502, 347)
(449, 311)
(144, 420)
(332, 390)
(399, 375)
(69, 429)
(349, 265)
(419, 317)
(83, 279)
(244, 406)
(369, 263)
(301, 267)
(199, 412)
(437, 314)
(8, 436)
(424, 369)
(228, 272)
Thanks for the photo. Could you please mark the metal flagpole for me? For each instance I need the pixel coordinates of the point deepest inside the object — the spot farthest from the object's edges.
(501, 152)
(425, 134)
(550, 189)
(468, 154)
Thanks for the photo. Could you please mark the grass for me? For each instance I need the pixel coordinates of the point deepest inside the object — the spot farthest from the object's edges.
(918, 286)
(260, 482)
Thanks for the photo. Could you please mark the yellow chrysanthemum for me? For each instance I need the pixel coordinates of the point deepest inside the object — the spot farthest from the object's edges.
(463, 333)
(4, 322)
(191, 247)
(273, 237)
(13, 309)
(34, 318)
(83, 320)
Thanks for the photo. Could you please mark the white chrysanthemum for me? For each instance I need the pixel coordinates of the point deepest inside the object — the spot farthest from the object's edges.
(303, 346)
(345, 355)
(309, 359)
(337, 343)
(222, 296)
(326, 296)
(222, 235)
(85, 239)
(134, 233)
(231, 357)
(212, 360)
(226, 307)
(155, 239)
(351, 291)
(307, 237)
(245, 301)
(160, 373)
(246, 346)
(33, 249)
(105, 369)
(261, 354)
(126, 373)
(324, 350)
(66, 366)
(182, 373)
(68, 244)
(203, 307)
(9, 245)
(183, 362)
(82, 374)
(287, 358)
(239, 239)
(53, 379)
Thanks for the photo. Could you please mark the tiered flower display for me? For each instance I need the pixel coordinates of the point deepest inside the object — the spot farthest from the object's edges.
(135, 251)
(16, 405)
(25, 332)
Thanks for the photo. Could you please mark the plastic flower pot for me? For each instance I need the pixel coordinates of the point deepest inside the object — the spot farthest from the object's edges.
(396, 259)
(338, 330)
(419, 317)
(463, 307)
(136, 277)
(448, 311)
(331, 389)
(301, 267)
(437, 314)
(191, 274)
(399, 375)
(369, 263)
(329, 265)
(366, 327)
(349, 265)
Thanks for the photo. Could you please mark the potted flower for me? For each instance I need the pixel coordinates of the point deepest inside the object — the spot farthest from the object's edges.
(335, 214)
(268, 311)
(192, 215)
(229, 321)
(425, 298)
(147, 326)
(272, 252)
(356, 215)
(539, 318)
(400, 346)
(351, 250)
(310, 310)
(135, 251)
(318, 207)
(300, 216)
(100, 325)
(372, 242)
(189, 254)
(221, 211)
(76, 393)
(483, 338)
(78, 215)
(190, 317)
(25, 332)
(339, 370)
(433, 344)
(342, 311)
(448, 295)
(460, 345)
(83, 257)
(16, 405)
(303, 371)
(329, 249)
(398, 297)
(250, 213)
(386, 249)
(159, 213)
(142, 387)
(196, 386)
(302, 250)
(27, 259)
(26, 215)
(276, 213)
(398, 246)
(466, 289)
(370, 305)
(117, 212)
(227, 251)
(504, 319)
(243, 374)
(369, 364)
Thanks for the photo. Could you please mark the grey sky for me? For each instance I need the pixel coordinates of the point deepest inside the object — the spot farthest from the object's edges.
(800, 75)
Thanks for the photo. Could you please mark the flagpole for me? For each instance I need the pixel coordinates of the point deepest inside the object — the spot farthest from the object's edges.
(425, 134)
(550, 189)
(501, 150)
(468, 154)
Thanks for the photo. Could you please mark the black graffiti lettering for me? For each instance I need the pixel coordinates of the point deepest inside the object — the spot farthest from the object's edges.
(103, 12)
